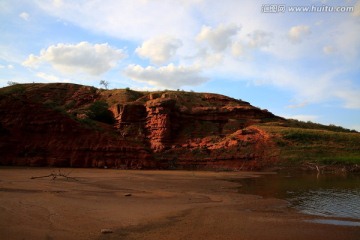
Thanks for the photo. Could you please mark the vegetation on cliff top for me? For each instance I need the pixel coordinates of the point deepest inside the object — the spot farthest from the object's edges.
(318, 146)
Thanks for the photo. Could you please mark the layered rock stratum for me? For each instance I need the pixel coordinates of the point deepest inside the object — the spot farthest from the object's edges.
(69, 125)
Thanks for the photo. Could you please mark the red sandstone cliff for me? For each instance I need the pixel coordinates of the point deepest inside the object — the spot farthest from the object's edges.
(57, 125)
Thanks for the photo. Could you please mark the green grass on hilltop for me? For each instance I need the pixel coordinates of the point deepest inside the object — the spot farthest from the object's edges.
(311, 125)
(299, 145)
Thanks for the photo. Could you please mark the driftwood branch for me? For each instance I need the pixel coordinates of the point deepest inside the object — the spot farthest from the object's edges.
(314, 166)
(55, 175)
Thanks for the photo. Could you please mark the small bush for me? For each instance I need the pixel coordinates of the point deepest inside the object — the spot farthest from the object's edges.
(11, 83)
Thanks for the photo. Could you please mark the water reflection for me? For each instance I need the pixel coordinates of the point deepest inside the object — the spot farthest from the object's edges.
(323, 195)
(335, 222)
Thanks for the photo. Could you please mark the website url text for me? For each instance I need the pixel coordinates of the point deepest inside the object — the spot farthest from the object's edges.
(282, 8)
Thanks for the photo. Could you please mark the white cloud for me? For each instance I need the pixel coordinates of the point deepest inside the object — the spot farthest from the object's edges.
(47, 77)
(297, 33)
(259, 39)
(82, 57)
(50, 77)
(346, 40)
(169, 76)
(328, 49)
(350, 96)
(327, 86)
(206, 59)
(135, 19)
(298, 105)
(223, 50)
(356, 12)
(214, 43)
(218, 38)
(160, 49)
(57, 3)
(319, 23)
(303, 85)
(237, 49)
(25, 16)
(9, 66)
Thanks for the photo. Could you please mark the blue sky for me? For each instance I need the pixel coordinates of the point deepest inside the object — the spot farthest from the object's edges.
(302, 65)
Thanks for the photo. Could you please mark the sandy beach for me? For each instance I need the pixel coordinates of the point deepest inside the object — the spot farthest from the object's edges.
(147, 205)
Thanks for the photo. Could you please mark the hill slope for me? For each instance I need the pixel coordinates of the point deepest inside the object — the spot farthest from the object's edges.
(81, 126)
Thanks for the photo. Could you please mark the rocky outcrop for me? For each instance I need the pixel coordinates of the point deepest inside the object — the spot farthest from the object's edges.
(250, 149)
(159, 122)
(48, 125)
(183, 135)
(36, 134)
(130, 119)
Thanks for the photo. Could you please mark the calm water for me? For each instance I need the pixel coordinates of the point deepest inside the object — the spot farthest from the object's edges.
(322, 195)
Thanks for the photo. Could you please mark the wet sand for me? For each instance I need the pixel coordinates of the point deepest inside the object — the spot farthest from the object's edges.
(147, 205)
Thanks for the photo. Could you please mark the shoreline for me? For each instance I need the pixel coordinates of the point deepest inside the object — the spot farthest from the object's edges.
(151, 204)
(280, 166)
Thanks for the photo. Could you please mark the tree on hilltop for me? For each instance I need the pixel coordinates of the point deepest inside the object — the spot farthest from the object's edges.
(104, 83)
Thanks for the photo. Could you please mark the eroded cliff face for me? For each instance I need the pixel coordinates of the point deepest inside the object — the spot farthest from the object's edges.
(38, 134)
(159, 122)
(202, 131)
(49, 125)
